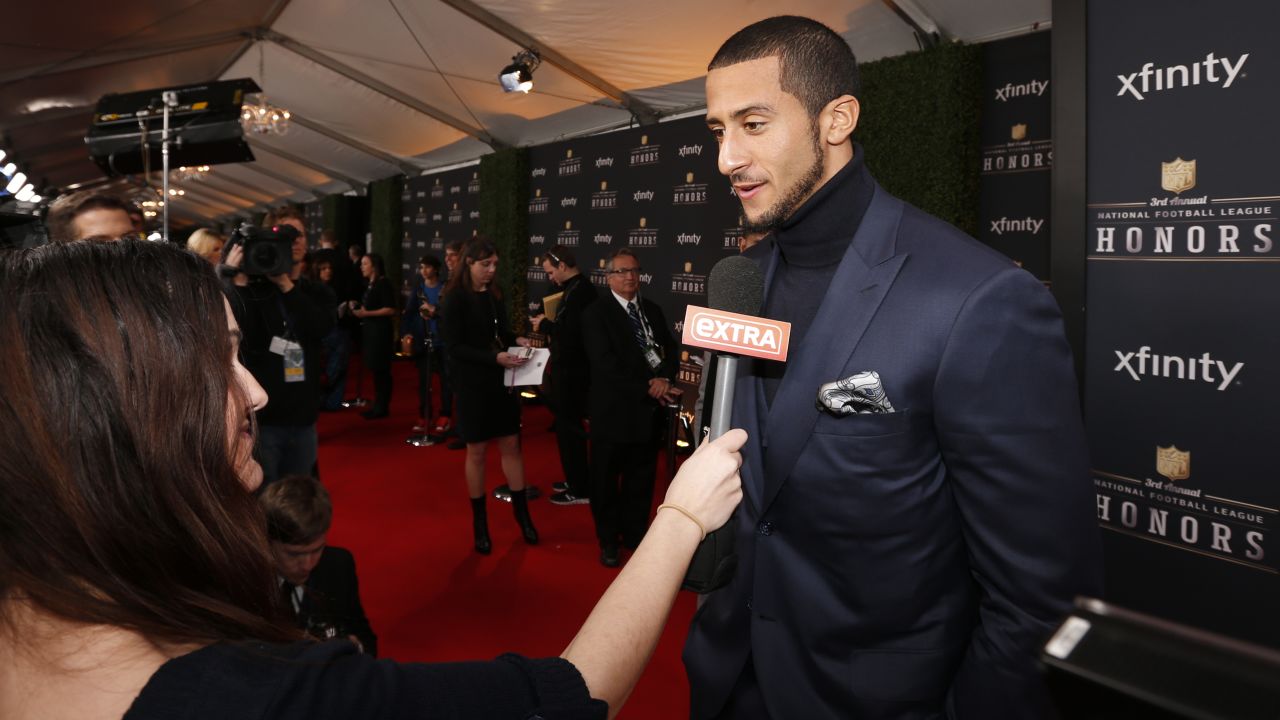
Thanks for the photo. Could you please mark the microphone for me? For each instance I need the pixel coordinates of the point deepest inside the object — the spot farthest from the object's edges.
(735, 285)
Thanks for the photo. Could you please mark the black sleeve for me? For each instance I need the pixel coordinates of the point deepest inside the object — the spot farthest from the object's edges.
(311, 310)
(453, 329)
(358, 622)
(380, 295)
(330, 680)
(505, 332)
(670, 348)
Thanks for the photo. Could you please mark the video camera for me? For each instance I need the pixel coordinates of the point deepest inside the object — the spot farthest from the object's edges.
(267, 251)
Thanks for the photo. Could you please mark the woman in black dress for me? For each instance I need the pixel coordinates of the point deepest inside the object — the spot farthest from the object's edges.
(476, 336)
(375, 312)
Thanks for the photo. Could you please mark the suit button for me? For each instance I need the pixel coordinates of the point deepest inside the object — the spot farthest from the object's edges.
(765, 528)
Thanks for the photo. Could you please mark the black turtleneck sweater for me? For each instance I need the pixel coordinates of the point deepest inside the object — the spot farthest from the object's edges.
(811, 243)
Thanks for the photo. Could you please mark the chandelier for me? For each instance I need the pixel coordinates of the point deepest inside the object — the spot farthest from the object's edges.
(259, 116)
(186, 174)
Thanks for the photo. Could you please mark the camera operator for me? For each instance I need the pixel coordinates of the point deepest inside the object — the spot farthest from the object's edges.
(284, 317)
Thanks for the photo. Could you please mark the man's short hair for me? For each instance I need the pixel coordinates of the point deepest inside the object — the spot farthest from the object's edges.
(64, 211)
(279, 215)
(816, 65)
(561, 254)
(620, 252)
(298, 510)
(430, 261)
(328, 238)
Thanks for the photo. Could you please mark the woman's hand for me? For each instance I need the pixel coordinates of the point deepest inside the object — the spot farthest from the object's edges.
(359, 312)
(507, 360)
(708, 484)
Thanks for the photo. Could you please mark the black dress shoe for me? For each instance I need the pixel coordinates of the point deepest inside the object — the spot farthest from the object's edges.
(609, 556)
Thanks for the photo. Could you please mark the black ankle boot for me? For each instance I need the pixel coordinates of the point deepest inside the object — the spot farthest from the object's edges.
(520, 504)
(480, 525)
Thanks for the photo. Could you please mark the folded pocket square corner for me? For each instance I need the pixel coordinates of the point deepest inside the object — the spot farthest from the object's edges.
(857, 394)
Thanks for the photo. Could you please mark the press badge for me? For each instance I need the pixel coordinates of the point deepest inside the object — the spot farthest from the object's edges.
(294, 359)
(651, 355)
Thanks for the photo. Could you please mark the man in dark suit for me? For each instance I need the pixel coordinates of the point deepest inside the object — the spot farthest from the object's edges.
(570, 371)
(633, 361)
(318, 584)
(917, 512)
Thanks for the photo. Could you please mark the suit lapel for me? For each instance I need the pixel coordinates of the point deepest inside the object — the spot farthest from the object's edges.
(861, 282)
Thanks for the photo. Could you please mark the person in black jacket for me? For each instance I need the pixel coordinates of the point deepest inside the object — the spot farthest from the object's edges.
(375, 312)
(633, 367)
(284, 319)
(477, 336)
(420, 327)
(317, 580)
(570, 371)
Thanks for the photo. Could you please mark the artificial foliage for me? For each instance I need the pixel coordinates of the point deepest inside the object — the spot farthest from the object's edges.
(920, 125)
(504, 219)
(387, 226)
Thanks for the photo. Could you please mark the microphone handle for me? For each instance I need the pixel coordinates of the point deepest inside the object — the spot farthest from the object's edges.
(716, 558)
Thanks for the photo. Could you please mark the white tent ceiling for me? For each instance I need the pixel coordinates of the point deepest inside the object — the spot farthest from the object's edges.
(381, 87)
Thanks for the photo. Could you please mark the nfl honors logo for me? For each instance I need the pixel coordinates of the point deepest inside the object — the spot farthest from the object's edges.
(1178, 176)
(1018, 132)
(570, 165)
(1173, 463)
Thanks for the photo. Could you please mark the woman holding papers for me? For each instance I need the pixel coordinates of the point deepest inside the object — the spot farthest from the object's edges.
(477, 336)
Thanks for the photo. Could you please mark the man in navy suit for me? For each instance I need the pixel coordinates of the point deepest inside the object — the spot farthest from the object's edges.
(908, 538)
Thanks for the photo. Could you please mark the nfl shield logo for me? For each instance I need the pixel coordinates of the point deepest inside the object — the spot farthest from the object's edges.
(1019, 132)
(1173, 463)
(1178, 176)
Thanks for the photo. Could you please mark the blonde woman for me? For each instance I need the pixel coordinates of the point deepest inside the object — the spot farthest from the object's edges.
(207, 244)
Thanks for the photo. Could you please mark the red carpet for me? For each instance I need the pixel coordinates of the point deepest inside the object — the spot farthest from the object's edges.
(403, 511)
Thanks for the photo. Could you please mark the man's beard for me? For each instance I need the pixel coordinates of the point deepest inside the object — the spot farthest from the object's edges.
(789, 203)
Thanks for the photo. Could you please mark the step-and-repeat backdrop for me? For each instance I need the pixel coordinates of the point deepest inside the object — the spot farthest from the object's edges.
(1183, 295)
(1017, 150)
(436, 210)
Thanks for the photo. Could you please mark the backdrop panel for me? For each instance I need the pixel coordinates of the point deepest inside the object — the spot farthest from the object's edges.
(437, 209)
(1183, 289)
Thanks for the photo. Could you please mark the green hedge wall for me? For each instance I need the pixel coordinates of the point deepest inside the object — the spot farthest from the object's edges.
(386, 224)
(504, 219)
(920, 128)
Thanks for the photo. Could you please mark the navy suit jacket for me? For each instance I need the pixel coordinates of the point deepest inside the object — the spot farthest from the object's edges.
(908, 564)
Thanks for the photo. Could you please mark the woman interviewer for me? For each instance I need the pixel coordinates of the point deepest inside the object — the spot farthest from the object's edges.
(135, 579)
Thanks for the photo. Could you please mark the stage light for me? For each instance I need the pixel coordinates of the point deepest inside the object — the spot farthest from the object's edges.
(16, 182)
(2, 154)
(518, 76)
(36, 199)
(25, 193)
(8, 169)
(528, 394)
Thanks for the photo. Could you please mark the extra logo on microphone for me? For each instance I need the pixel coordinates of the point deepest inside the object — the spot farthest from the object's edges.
(734, 333)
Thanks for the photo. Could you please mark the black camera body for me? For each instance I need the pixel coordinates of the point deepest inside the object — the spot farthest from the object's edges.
(267, 251)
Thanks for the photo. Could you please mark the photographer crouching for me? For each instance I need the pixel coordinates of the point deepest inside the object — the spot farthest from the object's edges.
(283, 317)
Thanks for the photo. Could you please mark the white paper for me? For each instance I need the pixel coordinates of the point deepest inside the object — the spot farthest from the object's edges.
(529, 373)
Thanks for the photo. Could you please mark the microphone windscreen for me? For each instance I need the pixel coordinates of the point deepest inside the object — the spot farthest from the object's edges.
(736, 285)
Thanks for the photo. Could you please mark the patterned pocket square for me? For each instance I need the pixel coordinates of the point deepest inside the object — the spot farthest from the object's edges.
(860, 393)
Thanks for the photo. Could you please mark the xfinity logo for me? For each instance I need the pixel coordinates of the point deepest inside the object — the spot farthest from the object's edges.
(646, 278)
(569, 202)
(688, 239)
(1035, 87)
(1144, 362)
(537, 239)
(602, 239)
(1028, 224)
(1150, 78)
(643, 195)
(604, 162)
(687, 150)
(539, 172)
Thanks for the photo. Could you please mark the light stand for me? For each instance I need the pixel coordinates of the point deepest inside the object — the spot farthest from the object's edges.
(425, 439)
(170, 101)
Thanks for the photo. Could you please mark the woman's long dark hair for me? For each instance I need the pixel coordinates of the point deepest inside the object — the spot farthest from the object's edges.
(119, 498)
(475, 250)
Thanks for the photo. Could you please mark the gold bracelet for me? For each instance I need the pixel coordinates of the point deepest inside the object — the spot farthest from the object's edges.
(686, 513)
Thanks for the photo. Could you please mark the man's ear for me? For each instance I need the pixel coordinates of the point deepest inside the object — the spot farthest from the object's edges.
(838, 119)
